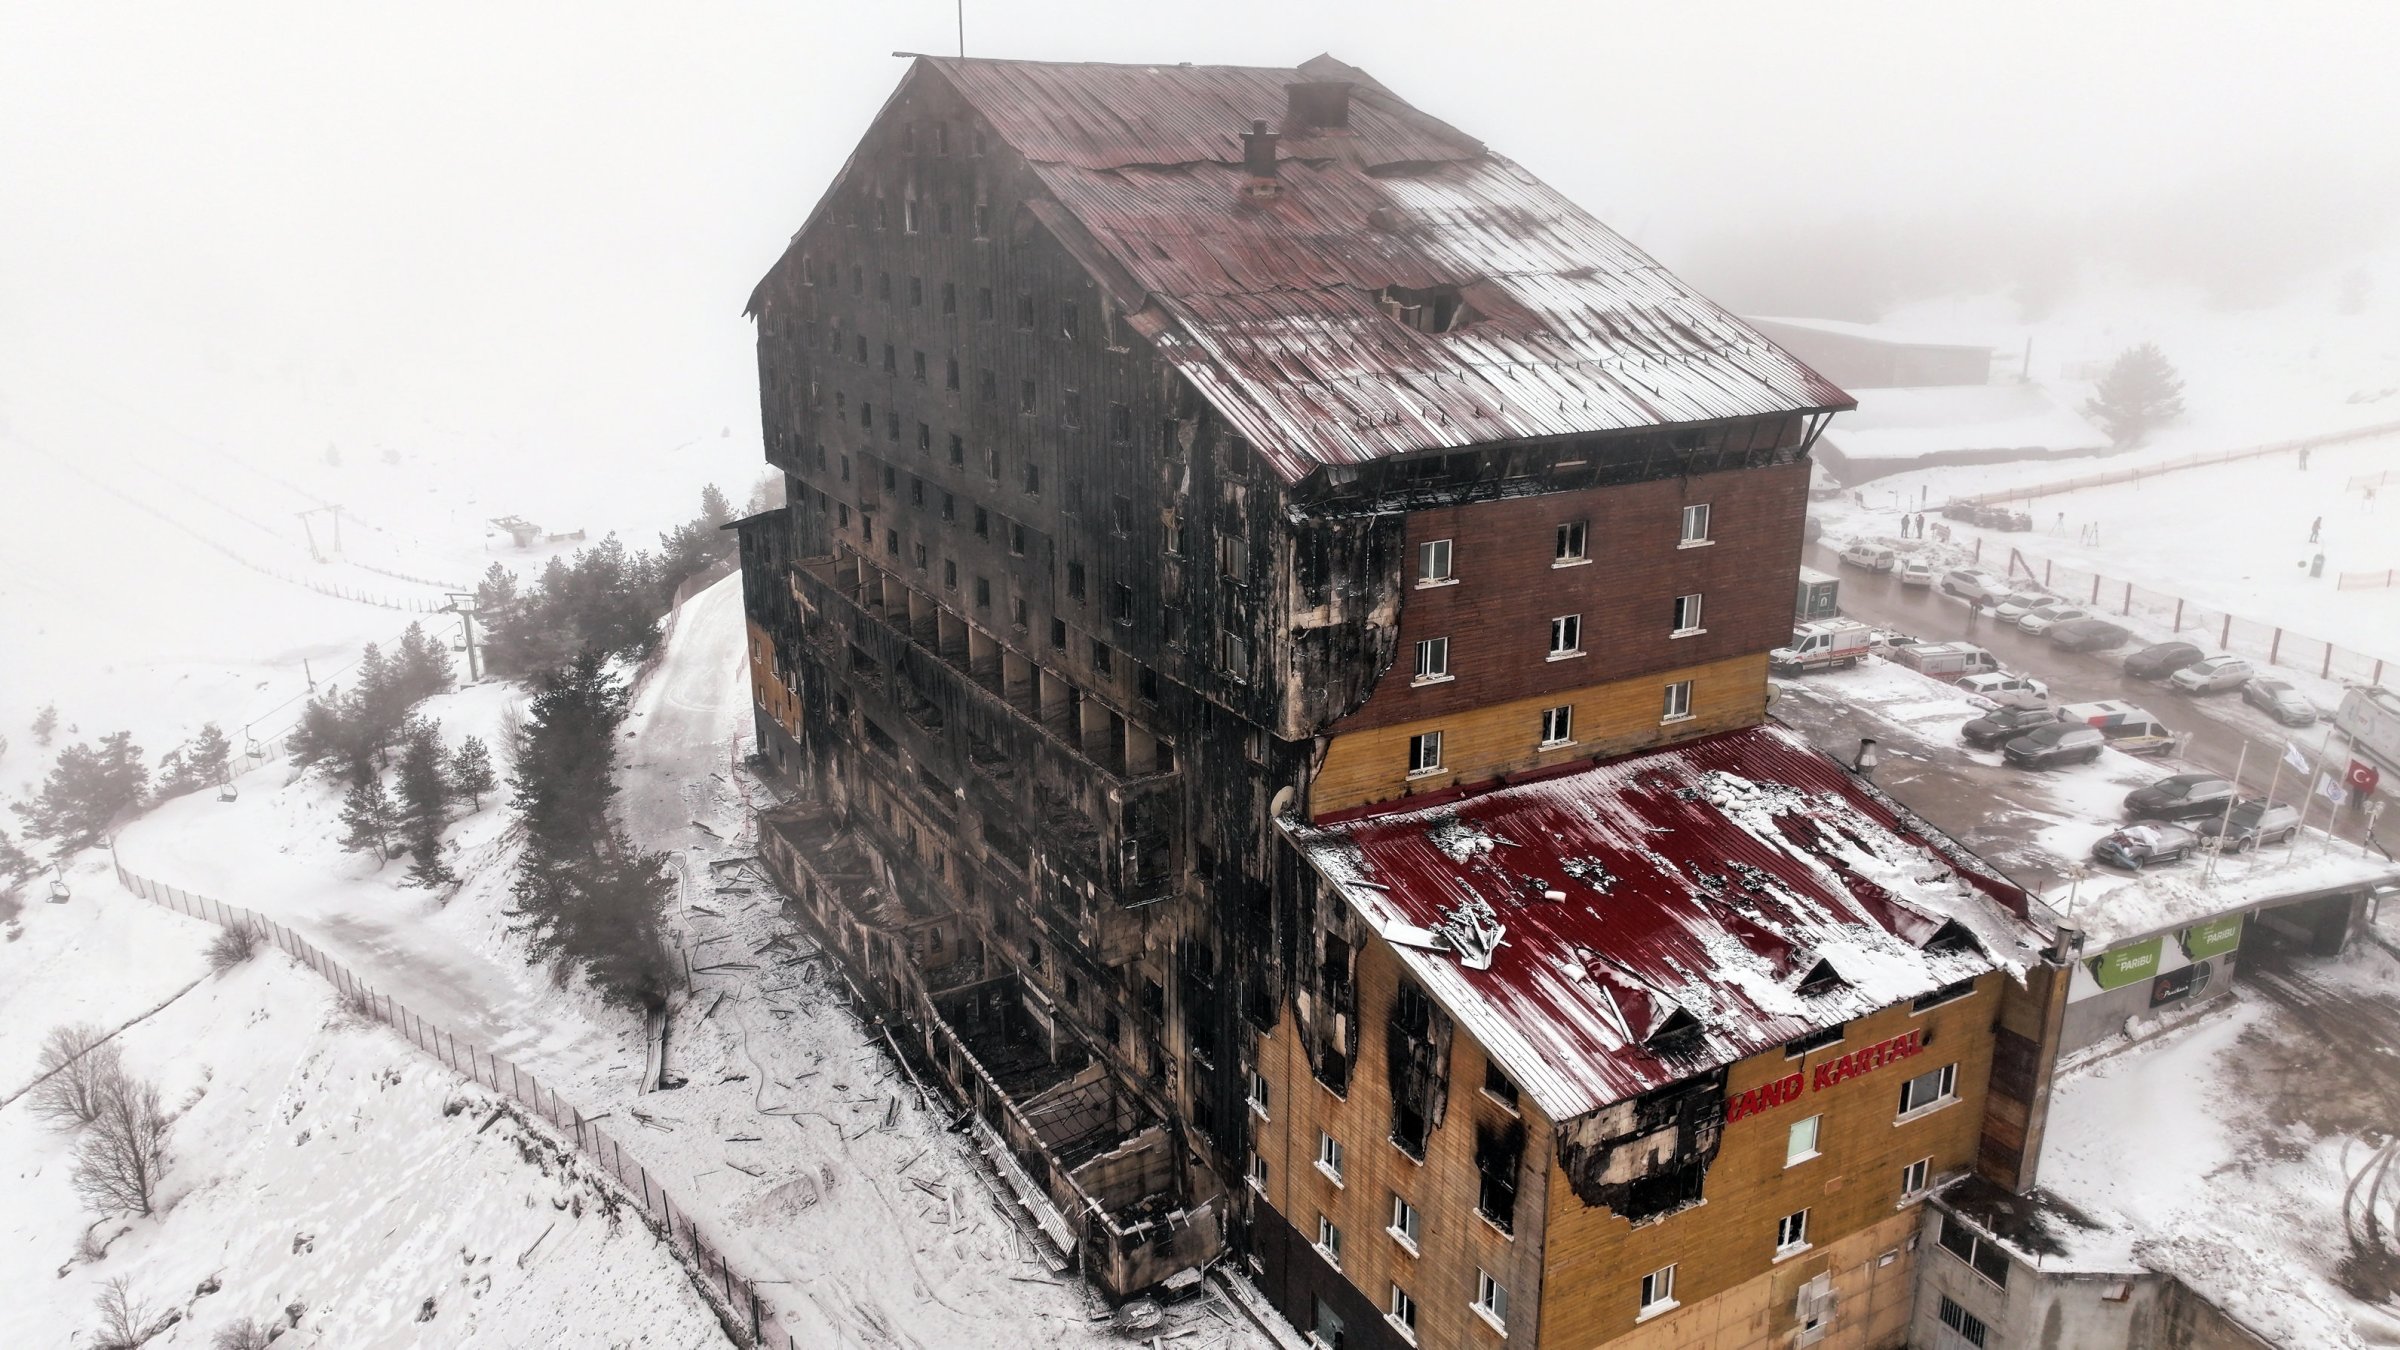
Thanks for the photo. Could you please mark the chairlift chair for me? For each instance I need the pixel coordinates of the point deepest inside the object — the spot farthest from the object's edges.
(59, 894)
(227, 792)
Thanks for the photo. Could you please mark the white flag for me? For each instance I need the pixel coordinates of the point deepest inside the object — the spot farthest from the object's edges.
(2330, 788)
(2293, 757)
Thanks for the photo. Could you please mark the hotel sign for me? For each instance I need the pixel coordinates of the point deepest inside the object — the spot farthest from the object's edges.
(1841, 1068)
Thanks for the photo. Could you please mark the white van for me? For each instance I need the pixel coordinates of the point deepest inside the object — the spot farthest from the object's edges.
(1873, 557)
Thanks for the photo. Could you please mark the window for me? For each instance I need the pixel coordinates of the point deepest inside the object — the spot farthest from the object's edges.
(1425, 753)
(1236, 656)
(1258, 1167)
(1987, 1260)
(1326, 1333)
(1679, 701)
(1569, 544)
(949, 288)
(1969, 1327)
(883, 287)
(1791, 1233)
(916, 285)
(1329, 1156)
(1074, 581)
(1329, 1240)
(1498, 1086)
(1033, 479)
(1403, 1312)
(1016, 540)
(1058, 634)
(1558, 725)
(958, 444)
(983, 592)
(1028, 394)
(1433, 563)
(983, 523)
(1687, 614)
(1658, 1291)
(1068, 319)
(1073, 412)
(1404, 1223)
(1024, 312)
(1801, 1144)
(1491, 1298)
(1258, 1093)
(1915, 1177)
(1121, 513)
(988, 385)
(1016, 611)
(983, 299)
(1104, 658)
(1566, 636)
(1928, 1089)
(1120, 424)
(1695, 524)
(1433, 660)
(950, 573)
(1120, 602)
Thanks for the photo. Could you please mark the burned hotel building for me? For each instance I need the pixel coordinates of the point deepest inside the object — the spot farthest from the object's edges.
(1267, 645)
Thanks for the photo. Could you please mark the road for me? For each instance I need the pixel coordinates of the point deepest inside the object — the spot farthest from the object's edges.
(2219, 726)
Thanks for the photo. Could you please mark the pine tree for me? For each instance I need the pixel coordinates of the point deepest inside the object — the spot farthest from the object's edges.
(2140, 391)
(714, 509)
(471, 771)
(45, 725)
(87, 793)
(618, 927)
(368, 818)
(421, 668)
(377, 704)
(424, 807)
(16, 866)
(200, 764)
(318, 737)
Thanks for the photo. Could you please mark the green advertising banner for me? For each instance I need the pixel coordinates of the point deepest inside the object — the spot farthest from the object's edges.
(2126, 965)
(2214, 938)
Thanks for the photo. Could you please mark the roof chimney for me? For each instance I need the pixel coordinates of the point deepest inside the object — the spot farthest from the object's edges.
(1317, 105)
(1258, 159)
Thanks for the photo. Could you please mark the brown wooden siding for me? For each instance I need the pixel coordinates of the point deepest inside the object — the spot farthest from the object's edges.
(1480, 744)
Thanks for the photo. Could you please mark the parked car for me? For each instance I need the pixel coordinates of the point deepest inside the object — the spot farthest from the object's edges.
(2016, 605)
(2215, 675)
(1914, 573)
(1990, 685)
(2012, 715)
(2282, 701)
(2001, 518)
(1974, 587)
(2161, 659)
(2251, 824)
(2124, 726)
(2086, 635)
(1951, 661)
(2137, 846)
(2054, 743)
(2183, 796)
(1873, 557)
(2040, 618)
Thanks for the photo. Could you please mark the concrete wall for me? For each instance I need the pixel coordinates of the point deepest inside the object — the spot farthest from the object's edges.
(2095, 1014)
(2061, 1310)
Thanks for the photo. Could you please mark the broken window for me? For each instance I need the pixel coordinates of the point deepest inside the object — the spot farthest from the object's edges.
(1498, 1151)
(1428, 309)
(1417, 1053)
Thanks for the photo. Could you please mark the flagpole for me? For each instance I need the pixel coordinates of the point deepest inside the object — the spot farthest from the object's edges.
(2308, 795)
(2225, 820)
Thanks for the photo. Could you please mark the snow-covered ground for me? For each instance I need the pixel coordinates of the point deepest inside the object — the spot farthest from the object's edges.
(2242, 1151)
(323, 1174)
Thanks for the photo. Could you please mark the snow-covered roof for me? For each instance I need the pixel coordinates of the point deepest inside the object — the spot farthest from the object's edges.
(1910, 423)
(2113, 907)
(1866, 332)
(1711, 880)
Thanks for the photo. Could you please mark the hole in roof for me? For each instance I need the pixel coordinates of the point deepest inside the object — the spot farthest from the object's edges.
(1822, 978)
(1952, 936)
(1680, 1026)
(1428, 309)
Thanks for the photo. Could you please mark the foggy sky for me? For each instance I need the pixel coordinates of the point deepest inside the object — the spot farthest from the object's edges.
(545, 217)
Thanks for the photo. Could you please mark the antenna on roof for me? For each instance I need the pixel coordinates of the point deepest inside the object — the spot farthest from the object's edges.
(962, 30)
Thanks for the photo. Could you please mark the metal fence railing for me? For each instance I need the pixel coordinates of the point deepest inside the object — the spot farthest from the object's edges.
(2367, 581)
(737, 1296)
(2272, 643)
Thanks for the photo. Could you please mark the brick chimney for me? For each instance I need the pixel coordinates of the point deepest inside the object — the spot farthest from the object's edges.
(1258, 160)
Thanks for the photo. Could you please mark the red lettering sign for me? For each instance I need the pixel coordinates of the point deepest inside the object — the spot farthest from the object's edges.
(1789, 1088)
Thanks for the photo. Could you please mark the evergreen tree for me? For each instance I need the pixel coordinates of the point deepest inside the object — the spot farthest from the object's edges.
(16, 867)
(714, 509)
(368, 818)
(424, 807)
(200, 764)
(584, 895)
(45, 725)
(471, 771)
(421, 669)
(87, 793)
(378, 702)
(2140, 391)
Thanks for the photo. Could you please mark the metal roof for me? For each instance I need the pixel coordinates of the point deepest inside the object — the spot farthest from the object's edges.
(1711, 879)
(1271, 307)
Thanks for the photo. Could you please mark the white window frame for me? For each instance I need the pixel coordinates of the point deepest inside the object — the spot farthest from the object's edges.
(1401, 1311)
(1794, 1151)
(1558, 726)
(1329, 1157)
(1491, 1300)
(1431, 553)
(1687, 614)
(1571, 545)
(1258, 1172)
(1697, 511)
(1657, 1293)
(1916, 1178)
(1421, 763)
(1259, 1091)
(1569, 629)
(1678, 702)
(1329, 1240)
(1405, 1223)
(1945, 1092)
(1433, 660)
(1791, 1234)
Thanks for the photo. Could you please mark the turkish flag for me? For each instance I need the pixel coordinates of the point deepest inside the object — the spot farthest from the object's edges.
(2363, 777)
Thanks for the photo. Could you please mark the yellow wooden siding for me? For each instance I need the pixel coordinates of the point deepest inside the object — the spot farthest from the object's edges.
(1610, 719)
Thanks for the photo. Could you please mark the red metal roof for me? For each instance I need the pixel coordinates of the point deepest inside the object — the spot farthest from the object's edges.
(1270, 307)
(1711, 878)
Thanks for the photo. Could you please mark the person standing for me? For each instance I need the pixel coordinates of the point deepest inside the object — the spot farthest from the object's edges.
(2315, 526)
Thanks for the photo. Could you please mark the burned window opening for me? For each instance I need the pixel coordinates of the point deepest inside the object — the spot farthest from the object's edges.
(1417, 1056)
(1649, 1156)
(1499, 1150)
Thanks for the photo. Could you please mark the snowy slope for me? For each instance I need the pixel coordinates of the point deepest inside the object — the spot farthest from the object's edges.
(318, 1166)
